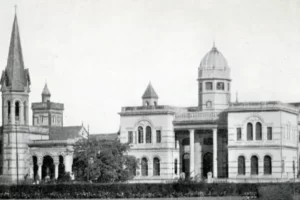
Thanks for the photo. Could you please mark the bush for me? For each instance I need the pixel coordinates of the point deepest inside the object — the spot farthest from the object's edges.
(169, 190)
(275, 192)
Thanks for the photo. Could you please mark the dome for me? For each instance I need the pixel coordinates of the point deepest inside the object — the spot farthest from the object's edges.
(214, 59)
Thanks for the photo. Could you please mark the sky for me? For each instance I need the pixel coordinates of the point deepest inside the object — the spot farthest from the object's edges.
(98, 56)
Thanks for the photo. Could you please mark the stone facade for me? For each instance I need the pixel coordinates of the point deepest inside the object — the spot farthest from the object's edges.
(214, 136)
(44, 149)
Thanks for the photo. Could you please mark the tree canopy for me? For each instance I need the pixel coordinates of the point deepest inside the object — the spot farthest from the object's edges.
(103, 161)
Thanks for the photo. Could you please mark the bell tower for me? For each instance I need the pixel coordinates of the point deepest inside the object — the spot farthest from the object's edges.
(214, 81)
(15, 82)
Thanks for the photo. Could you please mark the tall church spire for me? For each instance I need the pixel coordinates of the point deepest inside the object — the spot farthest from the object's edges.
(15, 77)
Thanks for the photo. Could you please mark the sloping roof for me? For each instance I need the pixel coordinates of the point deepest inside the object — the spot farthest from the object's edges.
(150, 92)
(15, 76)
(46, 90)
(105, 136)
(64, 133)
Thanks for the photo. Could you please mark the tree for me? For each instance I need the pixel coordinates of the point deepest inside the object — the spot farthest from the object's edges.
(103, 161)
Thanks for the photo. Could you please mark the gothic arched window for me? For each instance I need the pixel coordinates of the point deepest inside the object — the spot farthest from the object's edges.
(144, 167)
(148, 134)
(258, 131)
(249, 131)
(175, 166)
(141, 134)
(254, 165)
(156, 167)
(8, 109)
(267, 165)
(17, 110)
(241, 165)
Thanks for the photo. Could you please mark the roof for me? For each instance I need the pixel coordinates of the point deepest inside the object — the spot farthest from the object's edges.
(149, 93)
(46, 90)
(64, 132)
(104, 136)
(214, 59)
(14, 76)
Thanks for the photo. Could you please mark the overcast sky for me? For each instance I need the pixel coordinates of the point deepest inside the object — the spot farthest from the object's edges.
(99, 55)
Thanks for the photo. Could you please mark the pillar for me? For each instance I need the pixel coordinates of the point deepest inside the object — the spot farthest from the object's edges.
(56, 164)
(31, 172)
(192, 152)
(27, 113)
(12, 113)
(40, 171)
(215, 153)
(21, 114)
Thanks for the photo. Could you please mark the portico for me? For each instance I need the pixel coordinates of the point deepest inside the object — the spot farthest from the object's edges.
(200, 136)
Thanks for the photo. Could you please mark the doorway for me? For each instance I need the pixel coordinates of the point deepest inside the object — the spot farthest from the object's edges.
(207, 163)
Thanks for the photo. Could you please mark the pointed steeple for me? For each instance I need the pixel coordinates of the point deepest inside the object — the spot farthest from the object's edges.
(150, 97)
(15, 77)
(46, 94)
(150, 92)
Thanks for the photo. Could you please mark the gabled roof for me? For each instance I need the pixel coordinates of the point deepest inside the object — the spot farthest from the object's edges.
(46, 90)
(14, 76)
(150, 93)
(105, 136)
(65, 132)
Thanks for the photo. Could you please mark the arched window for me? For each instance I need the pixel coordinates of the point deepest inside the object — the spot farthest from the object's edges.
(17, 110)
(267, 165)
(148, 134)
(186, 164)
(249, 131)
(175, 166)
(254, 165)
(147, 103)
(258, 131)
(156, 167)
(155, 103)
(8, 109)
(241, 165)
(144, 167)
(141, 134)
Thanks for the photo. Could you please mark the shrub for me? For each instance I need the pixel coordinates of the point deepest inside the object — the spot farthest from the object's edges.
(275, 192)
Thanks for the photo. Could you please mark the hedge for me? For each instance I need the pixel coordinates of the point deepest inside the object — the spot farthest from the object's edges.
(122, 190)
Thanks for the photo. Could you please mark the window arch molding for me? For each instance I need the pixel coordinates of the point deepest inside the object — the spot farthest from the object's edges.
(144, 122)
(258, 157)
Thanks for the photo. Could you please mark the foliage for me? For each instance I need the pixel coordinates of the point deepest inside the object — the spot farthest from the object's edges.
(275, 192)
(103, 161)
(169, 190)
(64, 177)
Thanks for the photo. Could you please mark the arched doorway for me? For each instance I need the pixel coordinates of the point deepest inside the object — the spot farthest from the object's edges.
(186, 164)
(35, 166)
(207, 163)
(48, 167)
(61, 167)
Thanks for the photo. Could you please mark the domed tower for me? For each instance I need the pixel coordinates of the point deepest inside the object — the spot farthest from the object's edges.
(214, 81)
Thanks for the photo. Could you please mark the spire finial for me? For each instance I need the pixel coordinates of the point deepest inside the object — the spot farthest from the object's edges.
(237, 97)
(16, 9)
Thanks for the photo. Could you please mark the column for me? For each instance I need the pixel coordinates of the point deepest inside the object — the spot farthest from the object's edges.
(40, 171)
(12, 113)
(31, 172)
(192, 152)
(27, 113)
(56, 170)
(56, 163)
(215, 153)
(21, 114)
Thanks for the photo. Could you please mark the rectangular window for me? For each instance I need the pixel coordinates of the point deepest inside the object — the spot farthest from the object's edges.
(158, 136)
(269, 133)
(228, 86)
(208, 85)
(220, 86)
(200, 86)
(239, 134)
(130, 137)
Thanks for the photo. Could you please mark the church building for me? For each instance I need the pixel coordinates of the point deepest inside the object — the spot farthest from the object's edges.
(218, 138)
(30, 151)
